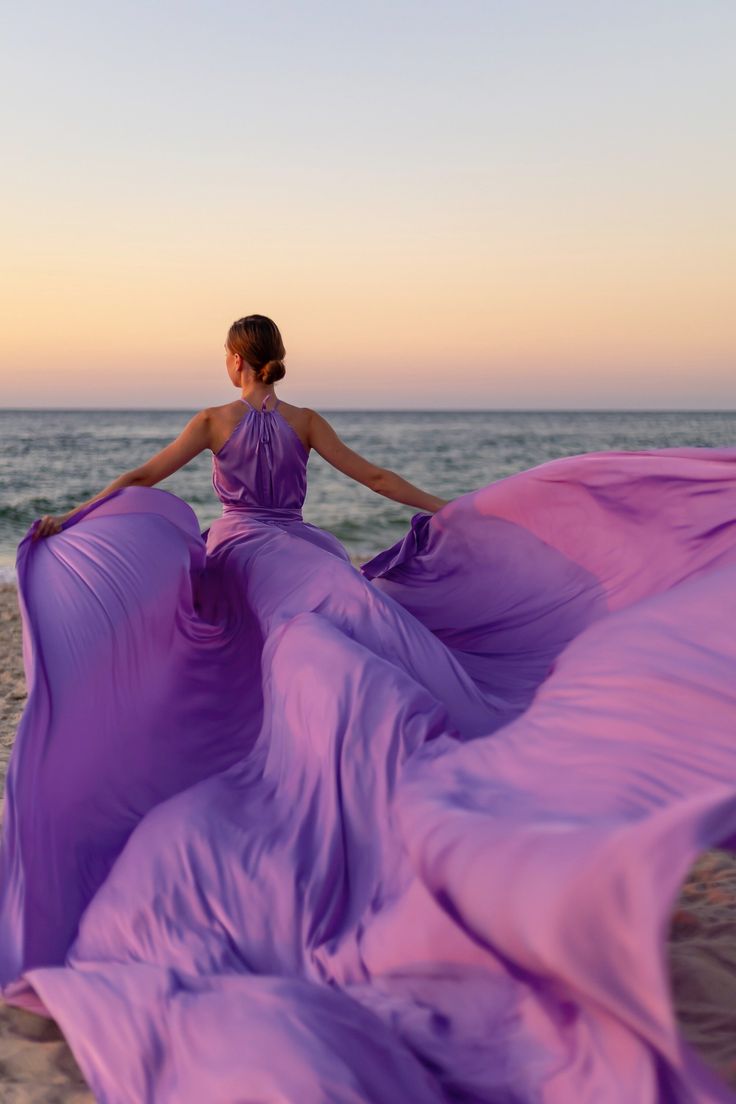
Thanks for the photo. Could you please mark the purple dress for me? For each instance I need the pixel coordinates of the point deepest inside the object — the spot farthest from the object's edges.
(279, 829)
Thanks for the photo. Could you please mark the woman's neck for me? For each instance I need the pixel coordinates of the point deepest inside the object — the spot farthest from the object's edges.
(258, 394)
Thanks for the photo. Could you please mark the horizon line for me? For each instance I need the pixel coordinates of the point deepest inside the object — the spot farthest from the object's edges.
(400, 409)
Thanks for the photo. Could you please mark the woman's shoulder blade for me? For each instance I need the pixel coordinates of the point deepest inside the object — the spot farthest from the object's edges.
(222, 421)
(299, 418)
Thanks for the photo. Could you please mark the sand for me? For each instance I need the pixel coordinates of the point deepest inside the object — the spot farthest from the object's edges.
(37, 1067)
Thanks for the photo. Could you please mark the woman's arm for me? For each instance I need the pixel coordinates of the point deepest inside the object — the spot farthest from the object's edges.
(325, 441)
(191, 441)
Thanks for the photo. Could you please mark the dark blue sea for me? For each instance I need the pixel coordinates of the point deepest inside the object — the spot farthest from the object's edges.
(50, 460)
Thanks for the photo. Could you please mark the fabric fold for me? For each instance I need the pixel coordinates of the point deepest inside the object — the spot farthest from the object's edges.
(281, 829)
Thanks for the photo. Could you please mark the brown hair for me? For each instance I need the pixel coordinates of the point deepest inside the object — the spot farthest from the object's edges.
(257, 340)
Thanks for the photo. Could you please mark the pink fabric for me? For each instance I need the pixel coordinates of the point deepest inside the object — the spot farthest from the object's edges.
(279, 829)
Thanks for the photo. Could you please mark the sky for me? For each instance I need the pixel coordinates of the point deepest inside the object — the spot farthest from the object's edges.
(488, 205)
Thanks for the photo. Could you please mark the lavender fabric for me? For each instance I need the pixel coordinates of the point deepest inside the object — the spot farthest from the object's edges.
(279, 829)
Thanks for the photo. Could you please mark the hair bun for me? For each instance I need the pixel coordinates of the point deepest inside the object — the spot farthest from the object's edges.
(272, 371)
(258, 342)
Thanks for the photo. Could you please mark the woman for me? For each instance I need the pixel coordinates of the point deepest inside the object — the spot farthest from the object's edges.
(281, 829)
(253, 357)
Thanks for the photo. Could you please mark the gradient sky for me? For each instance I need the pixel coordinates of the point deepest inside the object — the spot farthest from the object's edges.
(470, 204)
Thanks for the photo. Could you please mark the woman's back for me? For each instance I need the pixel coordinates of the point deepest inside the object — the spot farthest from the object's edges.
(262, 464)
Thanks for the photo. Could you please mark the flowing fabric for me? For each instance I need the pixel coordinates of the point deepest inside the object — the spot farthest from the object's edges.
(281, 829)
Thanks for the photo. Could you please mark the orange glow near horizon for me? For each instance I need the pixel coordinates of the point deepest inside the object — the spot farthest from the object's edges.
(528, 228)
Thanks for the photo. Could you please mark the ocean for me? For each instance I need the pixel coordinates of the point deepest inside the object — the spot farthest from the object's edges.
(50, 460)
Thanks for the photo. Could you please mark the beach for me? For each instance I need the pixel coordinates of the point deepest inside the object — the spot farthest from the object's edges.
(37, 1067)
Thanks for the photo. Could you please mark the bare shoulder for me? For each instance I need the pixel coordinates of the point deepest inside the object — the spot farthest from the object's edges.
(325, 440)
(298, 418)
(200, 422)
(316, 423)
(220, 421)
(310, 413)
(293, 411)
(223, 410)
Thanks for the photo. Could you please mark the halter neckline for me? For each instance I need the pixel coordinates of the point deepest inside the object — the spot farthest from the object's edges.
(264, 409)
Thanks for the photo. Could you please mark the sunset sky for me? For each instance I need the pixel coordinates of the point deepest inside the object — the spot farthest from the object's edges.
(472, 204)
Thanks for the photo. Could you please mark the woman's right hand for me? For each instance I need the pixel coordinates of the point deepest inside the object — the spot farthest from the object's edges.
(49, 524)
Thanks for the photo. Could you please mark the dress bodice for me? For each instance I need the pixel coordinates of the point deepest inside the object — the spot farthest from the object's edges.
(262, 467)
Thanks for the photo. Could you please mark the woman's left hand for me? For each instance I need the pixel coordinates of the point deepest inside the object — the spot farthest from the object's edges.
(50, 523)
